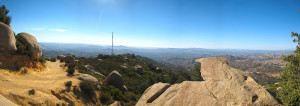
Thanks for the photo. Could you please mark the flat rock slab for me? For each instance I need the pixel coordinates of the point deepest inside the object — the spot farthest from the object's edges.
(6, 102)
(87, 77)
(222, 85)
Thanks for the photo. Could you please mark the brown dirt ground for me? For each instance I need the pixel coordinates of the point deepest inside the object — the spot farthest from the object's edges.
(15, 86)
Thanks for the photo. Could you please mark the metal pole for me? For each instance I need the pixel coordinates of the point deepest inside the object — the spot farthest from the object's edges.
(112, 43)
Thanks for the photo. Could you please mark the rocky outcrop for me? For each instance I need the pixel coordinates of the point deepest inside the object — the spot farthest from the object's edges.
(92, 69)
(123, 67)
(139, 69)
(158, 69)
(222, 85)
(7, 39)
(70, 59)
(32, 43)
(115, 79)
(61, 57)
(88, 77)
(116, 103)
(153, 92)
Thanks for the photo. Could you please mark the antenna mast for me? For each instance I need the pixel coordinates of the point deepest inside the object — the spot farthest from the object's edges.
(112, 43)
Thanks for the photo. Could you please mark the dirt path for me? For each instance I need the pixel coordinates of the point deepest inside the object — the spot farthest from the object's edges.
(15, 86)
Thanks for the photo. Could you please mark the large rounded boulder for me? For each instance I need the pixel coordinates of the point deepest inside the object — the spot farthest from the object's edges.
(32, 43)
(115, 79)
(7, 39)
(139, 69)
(88, 77)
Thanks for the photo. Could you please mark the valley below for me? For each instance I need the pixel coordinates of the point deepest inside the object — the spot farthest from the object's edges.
(264, 66)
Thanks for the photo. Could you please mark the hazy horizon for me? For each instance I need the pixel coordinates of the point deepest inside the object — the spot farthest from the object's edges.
(216, 24)
(107, 45)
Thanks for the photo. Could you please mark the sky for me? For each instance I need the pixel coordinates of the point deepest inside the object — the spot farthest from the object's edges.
(215, 24)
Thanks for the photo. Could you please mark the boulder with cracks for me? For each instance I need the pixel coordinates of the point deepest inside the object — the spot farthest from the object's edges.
(222, 85)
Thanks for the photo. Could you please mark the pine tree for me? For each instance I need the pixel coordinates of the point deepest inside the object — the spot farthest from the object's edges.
(289, 93)
(4, 15)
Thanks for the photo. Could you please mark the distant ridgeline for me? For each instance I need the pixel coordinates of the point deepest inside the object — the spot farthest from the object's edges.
(175, 59)
(158, 54)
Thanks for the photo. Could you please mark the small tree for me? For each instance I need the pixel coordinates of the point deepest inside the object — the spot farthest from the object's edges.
(4, 15)
(289, 93)
(71, 69)
(87, 87)
(68, 85)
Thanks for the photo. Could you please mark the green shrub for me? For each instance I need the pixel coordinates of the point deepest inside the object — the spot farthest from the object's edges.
(105, 98)
(196, 73)
(71, 69)
(31, 92)
(4, 15)
(129, 96)
(115, 92)
(87, 87)
(22, 49)
(52, 59)
(42, 60)
(68, 84)
(289, 93)
(61, 60)
(97, 76)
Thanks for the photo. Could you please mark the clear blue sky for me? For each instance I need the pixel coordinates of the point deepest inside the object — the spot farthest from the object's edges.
(233, 24)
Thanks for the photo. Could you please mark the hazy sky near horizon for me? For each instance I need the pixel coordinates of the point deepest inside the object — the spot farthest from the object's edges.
(225, 24)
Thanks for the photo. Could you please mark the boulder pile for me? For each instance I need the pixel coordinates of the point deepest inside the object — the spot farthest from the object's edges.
(18, 51)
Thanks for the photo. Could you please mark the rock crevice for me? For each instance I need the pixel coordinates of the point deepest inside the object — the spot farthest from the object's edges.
(222, 85)
(157, 94)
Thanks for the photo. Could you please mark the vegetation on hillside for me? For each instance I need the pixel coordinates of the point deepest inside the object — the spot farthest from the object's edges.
(135, 82)
(264, 69)
(88, 88)
(289, 93)
(22, 49)
(4, 15)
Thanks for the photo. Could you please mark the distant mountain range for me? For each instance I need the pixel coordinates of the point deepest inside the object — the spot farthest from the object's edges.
(176, 56)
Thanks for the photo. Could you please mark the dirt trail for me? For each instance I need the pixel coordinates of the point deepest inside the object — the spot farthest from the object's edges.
(15, 86)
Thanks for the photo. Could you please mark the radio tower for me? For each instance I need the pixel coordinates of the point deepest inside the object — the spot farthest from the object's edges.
(112, 43)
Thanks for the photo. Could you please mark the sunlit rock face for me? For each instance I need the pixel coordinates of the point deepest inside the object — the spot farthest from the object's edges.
(222, 85)
(32, 43)
(115, 79)
(7, 39)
